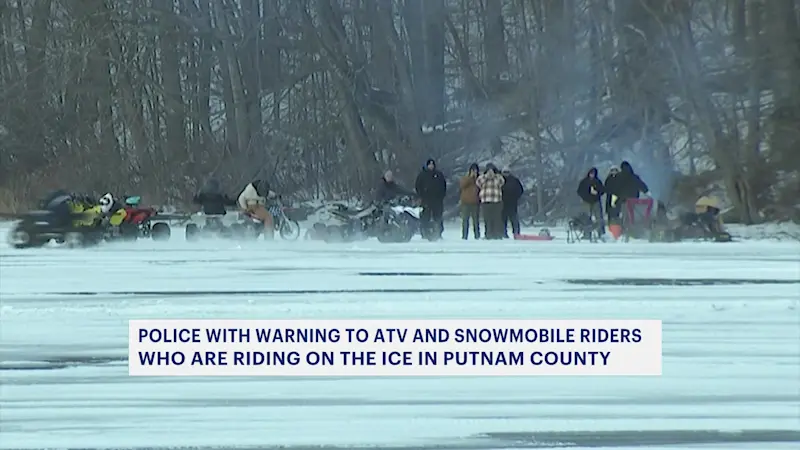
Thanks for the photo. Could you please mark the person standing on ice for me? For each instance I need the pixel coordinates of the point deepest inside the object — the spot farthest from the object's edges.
(630, 184)
(590, 190)
(512, 192)
(469, 203)
(253, 200)
(612, 189)
(491, 194)
(431, 188)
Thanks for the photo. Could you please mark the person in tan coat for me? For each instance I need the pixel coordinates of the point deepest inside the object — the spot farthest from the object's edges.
(470, 203)
(707, 209)
(253, 201)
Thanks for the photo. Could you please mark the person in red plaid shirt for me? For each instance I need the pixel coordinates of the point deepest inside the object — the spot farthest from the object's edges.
(491, 194)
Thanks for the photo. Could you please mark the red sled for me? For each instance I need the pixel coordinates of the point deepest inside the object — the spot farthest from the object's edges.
(544, 235)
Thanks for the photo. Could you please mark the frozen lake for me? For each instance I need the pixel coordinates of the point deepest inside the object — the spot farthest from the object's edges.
(731, 345)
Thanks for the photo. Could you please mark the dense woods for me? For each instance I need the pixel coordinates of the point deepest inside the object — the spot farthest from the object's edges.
(320, 96)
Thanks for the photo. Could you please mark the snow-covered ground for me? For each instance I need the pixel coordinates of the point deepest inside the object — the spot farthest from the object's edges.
(731, 344)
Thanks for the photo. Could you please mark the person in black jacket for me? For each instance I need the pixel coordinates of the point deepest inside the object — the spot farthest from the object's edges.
(58, 204)
(590, 190)
(612, 187)
(512, 192)
(212, 200)
(388, 189)
(431, 188)
(630, 183)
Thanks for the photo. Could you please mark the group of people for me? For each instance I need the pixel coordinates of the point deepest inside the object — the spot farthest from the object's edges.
(430, 188)
(493, 195)
(621, 184)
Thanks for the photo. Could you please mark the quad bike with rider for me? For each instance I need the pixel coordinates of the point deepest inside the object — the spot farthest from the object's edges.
(388, 221)
(69, 219)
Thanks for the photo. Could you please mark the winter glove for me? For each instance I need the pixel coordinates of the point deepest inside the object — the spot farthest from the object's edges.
(614, 199)
(592, 190)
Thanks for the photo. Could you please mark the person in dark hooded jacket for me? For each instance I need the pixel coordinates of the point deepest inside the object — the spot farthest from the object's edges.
(612, 187)
(58, 204)
(431, 188)
(388, 189)
(630, 185)
(590, 190)
(212, 200)
(512, 193)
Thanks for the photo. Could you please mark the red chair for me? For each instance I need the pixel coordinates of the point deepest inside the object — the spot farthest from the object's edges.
(638, 217)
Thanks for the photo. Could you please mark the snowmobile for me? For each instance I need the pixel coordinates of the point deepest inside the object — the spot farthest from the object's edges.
(387, 221)
(246, 226)
(81, 227)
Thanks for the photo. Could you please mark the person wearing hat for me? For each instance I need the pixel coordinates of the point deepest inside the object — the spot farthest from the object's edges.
(491, 195)
(707, 211)
(469, 203)
(590, 190)
(613, 193)
(431, 187)
(512, 192)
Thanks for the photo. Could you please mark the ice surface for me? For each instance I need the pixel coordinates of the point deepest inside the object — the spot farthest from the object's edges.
(731, 350)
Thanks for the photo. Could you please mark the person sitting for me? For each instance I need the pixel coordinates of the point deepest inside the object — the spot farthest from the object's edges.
(253, 200)
(113, 211)
(707, 213)
(388, 189)
(212, 200)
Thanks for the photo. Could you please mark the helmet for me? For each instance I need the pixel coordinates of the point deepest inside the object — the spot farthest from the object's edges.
(106, 202)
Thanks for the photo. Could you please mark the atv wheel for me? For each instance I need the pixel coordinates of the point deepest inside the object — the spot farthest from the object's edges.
(160, 232)
(290, 230)
(192, 232)
(395, 234)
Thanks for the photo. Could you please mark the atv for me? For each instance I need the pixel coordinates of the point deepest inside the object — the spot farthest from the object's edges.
(386, 221)
(142, 222)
